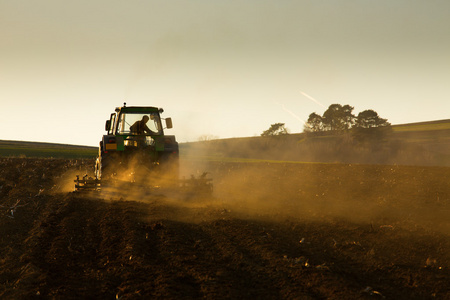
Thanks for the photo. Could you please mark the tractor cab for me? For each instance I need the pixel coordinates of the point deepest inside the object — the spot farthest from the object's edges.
(135, 127)
(121, 122)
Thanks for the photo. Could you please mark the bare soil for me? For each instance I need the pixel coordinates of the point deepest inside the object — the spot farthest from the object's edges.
(269, 231)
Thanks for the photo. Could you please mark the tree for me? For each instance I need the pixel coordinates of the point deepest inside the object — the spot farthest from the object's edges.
(369, 119)
(369, 127)
(314, 123)
(348, 116)
(275, 129)
(338, 117)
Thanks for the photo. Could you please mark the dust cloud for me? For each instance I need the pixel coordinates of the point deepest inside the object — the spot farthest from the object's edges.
(399, 180)
(378, 195)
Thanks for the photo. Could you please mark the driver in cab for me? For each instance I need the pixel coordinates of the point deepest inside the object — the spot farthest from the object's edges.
(140, 127)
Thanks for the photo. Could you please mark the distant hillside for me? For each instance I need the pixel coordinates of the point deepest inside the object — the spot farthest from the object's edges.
(35, 149)
(424, 143)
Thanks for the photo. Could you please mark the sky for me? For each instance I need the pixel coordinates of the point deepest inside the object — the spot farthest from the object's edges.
(220, 69)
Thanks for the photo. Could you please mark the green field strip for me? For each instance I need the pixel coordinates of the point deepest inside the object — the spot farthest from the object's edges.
(47, 152)
(421, 127)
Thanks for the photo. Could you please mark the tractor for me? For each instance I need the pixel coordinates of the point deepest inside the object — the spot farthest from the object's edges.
(135, 139)
(135, 149)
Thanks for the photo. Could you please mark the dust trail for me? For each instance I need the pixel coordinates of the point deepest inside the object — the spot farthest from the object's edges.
(380, 196)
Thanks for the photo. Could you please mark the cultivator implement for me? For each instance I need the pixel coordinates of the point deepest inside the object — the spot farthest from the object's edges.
(86, 184)
(200, 185)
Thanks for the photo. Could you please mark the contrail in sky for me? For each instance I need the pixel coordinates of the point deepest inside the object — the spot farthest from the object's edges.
(291, 113)
(312, 99)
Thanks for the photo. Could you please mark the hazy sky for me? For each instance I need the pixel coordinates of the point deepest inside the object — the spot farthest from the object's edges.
(220, 68)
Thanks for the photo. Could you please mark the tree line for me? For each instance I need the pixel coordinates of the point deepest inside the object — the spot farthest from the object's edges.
(340, 118)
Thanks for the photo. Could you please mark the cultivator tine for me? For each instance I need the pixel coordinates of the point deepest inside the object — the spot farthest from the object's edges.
(86, 184)
(199, 185)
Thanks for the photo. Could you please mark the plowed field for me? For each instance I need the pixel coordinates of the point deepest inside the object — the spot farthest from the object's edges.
(270, 231)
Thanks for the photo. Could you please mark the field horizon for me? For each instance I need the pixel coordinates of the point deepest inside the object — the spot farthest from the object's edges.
(422, 143)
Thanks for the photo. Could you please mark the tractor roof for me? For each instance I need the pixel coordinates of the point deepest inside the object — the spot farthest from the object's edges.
(143, 109)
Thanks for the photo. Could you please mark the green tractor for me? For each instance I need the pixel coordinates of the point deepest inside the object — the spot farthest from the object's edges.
(135, 140)
(135, 149)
